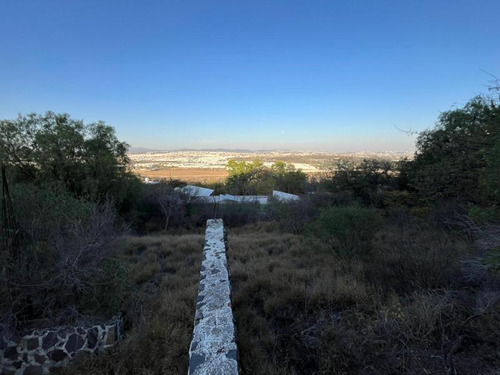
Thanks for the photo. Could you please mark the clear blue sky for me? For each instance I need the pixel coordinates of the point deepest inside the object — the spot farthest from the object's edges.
(304, 75)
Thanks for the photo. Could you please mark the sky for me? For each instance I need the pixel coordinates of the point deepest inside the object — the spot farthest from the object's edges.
(309, 75)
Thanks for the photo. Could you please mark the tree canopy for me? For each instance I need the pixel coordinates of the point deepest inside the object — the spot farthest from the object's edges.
(458, 159)
(254, 178)
(87, 159)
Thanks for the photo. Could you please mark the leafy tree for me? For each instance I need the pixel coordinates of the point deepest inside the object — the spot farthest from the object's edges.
(461, 151)
(88, 160)
(365, 181)
(490, 176)
(241, 176)
(287, 178)
(254, 178)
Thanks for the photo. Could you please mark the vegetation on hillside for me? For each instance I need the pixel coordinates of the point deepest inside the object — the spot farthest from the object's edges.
(380, 268)
(64, 184)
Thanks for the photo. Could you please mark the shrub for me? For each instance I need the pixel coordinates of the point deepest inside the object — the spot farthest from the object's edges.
(63, 241)
(483, 215)
(346, 229)
(238, 214)
(292, 216)
(365, 181)
(107, 289)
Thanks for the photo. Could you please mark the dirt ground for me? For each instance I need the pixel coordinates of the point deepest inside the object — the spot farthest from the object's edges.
(186, 174)
(205, 175)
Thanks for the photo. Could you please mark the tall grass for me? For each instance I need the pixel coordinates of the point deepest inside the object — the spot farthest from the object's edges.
(160, 311)
(402, 307)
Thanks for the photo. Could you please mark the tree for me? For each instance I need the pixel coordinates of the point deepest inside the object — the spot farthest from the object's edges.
(287, 178)
(365, 181)
(88, 160)
(254, 178)
(173, 203)
(453, 158)
(241, 176)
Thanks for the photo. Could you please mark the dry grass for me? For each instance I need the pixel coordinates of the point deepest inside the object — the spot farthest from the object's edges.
(405, 307)
(204, 175)
(160, 313)
(300, 309)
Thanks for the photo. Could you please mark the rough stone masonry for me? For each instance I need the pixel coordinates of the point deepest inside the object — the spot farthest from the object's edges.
(36, 352)
(213, 348)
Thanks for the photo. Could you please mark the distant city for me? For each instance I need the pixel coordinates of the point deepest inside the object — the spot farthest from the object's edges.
(210, 165)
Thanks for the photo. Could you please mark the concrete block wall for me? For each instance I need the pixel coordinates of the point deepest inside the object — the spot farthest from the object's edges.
(36, 352)
(213, 349)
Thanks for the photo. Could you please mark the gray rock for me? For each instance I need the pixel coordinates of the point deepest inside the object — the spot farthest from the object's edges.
(33, 370)
(57, 355)
(49, 340)
(32, 344)
(92, 338)
(40, 358)
(74, 343)
(11, 353)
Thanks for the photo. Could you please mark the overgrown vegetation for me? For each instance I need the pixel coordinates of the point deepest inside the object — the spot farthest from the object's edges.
(247, 178)
(64, 184)
(159, 310)
(379, 268)
(407, 306)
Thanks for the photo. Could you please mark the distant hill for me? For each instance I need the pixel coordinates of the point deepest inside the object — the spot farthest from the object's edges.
(140, 150)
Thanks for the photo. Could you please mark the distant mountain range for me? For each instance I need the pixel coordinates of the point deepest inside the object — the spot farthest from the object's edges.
(143, 150)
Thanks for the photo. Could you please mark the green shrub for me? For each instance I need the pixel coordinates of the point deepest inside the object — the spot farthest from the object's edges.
(238, 214)
(483, 215)
(292, 216)
(108, 289)
(366, 181)
(346, 229)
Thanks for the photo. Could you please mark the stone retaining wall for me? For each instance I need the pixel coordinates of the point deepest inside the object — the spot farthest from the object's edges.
(213, 348)
(39, 350)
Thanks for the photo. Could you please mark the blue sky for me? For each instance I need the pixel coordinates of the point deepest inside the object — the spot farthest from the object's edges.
(303, 75)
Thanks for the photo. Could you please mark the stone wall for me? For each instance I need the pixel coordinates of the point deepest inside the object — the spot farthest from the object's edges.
(39, 350)
(213, 348)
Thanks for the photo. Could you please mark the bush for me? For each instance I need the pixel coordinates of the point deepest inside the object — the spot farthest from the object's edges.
(107, 289)
(365, 181)
(238, 214)
(483, 215)
(63, 242)
(346, 229)
(292, 216)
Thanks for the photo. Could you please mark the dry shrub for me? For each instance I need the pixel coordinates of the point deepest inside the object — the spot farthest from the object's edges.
(63, 254)
(415, 256)
(160, 312)
(282, 290)
(300, 309)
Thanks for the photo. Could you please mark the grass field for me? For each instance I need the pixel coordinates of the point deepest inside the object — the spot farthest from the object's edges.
(192, 175)
(406, 307)
(185, 174)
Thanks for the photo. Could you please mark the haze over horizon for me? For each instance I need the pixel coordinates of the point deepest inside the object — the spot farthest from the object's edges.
(297, 75)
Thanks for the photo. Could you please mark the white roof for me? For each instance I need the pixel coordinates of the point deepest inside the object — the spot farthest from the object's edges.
(196, 191)
(225, 198)
(285, 196)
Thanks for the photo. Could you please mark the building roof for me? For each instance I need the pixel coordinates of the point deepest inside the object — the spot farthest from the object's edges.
(196, 191)
(282, 196)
